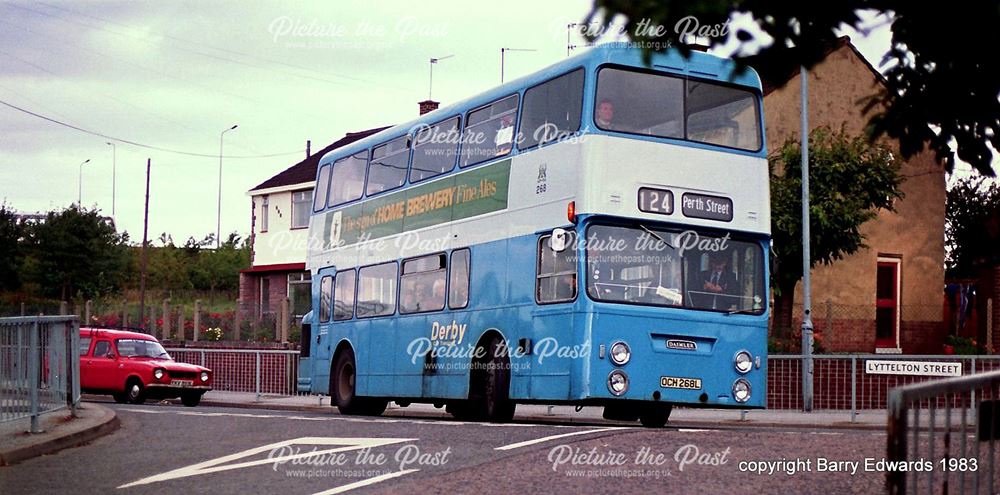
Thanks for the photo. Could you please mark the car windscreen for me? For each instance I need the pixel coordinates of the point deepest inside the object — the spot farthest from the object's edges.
(141, 348)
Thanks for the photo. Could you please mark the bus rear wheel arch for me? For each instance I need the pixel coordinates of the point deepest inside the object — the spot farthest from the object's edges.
(343, 387)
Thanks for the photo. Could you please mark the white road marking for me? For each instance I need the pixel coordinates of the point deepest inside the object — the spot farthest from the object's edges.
(216, 465)
(553, 437)
(369, 481)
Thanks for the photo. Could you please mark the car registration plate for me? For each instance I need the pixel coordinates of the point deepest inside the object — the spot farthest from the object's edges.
(680, 382)
(182, 383)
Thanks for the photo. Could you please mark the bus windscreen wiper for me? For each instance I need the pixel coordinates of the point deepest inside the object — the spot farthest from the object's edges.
(657, 236)
(741, 312)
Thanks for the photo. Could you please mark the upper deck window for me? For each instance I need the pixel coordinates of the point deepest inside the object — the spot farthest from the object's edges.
(322, 186)
(489, 131)
(348, 178)
(388, 167)
(434, 149)
(672, 107)
(552, 110)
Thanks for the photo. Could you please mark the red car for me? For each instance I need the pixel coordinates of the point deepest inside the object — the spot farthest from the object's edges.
(133, 366)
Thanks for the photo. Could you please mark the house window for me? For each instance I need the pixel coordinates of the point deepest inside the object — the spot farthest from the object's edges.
(264, 206)
(887, 285)
(265, 295)
(300, 293)
(300, 208)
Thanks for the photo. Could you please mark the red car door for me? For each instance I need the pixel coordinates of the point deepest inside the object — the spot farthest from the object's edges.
(102, 368)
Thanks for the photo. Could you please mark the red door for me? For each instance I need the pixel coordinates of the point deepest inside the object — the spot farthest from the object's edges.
(101, 371)
(887, 304)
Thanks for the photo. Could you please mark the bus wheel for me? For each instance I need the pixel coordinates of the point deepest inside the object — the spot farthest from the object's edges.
(342, 389)
(497, 406)
(462, 410)
(655, 416)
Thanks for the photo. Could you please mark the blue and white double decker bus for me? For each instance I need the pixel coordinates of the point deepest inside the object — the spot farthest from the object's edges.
(593, 234)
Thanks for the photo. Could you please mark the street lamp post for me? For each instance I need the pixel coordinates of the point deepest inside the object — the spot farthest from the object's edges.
(114, 166)
(218, 215)
(79, 196)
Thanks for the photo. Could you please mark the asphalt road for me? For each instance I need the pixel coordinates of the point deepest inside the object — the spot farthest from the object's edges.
(173, 449)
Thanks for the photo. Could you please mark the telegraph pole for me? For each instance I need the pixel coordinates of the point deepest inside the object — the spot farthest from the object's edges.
(145, 257)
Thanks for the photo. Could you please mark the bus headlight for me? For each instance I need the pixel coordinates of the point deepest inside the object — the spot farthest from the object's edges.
(204, 376)
(620, 353)
(743, 362)
(741, 390)
(618, 382)
(158, 373)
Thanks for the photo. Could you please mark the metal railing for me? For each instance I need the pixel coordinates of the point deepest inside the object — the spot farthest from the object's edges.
(263, 372)
(39, 367)
(949, 428)
(841, 382)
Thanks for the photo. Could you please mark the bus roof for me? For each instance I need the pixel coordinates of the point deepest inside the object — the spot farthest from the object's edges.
(697, 64)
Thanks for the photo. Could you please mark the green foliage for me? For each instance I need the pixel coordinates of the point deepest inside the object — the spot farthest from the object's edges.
(962, 345)
(11, 233)
(972, 226)
(75, 251)
(849, 182)
(937, 93)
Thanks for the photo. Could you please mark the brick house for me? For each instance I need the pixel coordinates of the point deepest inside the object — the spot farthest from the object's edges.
(888, 297)
(280, 209)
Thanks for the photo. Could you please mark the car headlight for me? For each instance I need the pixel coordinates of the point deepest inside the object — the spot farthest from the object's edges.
(741, 390)
(618, 382)
(204, 376)
(620, 353)
(743, 362)
(158, 374)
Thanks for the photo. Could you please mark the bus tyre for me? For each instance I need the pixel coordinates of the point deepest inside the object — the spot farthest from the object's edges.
(342, 387)
(461, 410)
(655, 416)
(497, 406)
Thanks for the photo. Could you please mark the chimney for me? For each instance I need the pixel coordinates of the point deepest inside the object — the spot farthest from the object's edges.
(428, 106)
(308, 148)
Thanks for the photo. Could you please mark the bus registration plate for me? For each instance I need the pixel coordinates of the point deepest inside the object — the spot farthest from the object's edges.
(182, 383)
(680, 382)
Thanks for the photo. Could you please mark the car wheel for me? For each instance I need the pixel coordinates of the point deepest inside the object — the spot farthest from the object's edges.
(120, 397)
(655, 416)
(343, 385)
(191, 399)
(135, 392)
(497, 406)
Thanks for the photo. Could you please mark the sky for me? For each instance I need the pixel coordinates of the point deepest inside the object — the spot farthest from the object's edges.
(157, 76)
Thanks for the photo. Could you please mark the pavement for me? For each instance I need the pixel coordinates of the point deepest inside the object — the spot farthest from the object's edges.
(62, 431)
(688, 417)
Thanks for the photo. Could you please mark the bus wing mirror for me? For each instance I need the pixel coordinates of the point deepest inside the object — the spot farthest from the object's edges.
(557, 241)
